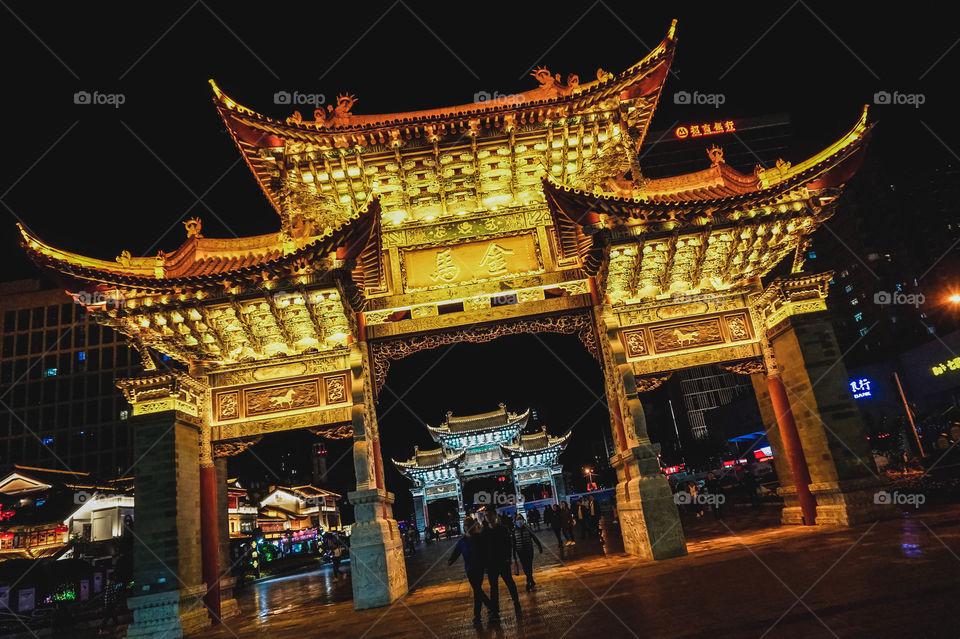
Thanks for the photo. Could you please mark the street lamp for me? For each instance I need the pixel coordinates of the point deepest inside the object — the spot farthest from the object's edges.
(589, 473)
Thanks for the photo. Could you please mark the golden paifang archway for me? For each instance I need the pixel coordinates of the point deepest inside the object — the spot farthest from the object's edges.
(404, 231)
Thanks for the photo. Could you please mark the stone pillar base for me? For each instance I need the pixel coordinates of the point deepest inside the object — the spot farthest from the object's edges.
(791, 515)
(649, 519)
(228, 604)
(377, 568)
(850, 502)
(167, 615)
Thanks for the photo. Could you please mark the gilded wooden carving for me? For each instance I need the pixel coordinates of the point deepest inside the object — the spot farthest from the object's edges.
(675, 337)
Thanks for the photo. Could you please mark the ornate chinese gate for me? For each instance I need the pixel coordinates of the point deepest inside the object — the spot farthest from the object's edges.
(408, 231)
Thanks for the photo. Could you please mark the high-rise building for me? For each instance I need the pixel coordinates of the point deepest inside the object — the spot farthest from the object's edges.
(894, 253)
(59, 407)
(705, 388)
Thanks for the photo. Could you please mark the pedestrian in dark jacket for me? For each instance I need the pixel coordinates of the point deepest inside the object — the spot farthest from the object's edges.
(535, 518)
(498, 550)
(470, 546)
(523, 539)
(567, 522)
(556, 523)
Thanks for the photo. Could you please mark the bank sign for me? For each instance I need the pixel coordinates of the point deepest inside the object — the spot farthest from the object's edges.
(861, 388)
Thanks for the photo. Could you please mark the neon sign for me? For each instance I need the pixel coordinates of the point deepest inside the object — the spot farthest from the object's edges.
(943, 367)
(707, 128)
(860, 388)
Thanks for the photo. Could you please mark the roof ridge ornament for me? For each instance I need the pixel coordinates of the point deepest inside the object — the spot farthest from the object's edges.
(193, 226)
(715, 153)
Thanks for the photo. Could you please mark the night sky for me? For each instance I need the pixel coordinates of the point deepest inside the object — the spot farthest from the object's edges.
(98, 179)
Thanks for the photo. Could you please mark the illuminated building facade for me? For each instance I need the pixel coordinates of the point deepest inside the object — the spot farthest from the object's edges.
(480, 445)
(407, 231)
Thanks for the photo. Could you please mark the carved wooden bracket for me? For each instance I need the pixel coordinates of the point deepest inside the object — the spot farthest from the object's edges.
(234, 447)
(750, 366)
(651, 382)
(579, 324)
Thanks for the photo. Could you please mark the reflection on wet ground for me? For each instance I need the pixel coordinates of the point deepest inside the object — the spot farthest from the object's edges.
(745, 576)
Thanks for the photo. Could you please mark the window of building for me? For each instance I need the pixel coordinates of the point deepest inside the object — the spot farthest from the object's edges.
(50, 372)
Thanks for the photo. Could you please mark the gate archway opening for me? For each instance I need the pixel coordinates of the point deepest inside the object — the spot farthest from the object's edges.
(552, 374)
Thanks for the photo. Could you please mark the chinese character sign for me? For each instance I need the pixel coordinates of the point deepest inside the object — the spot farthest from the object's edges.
(860, 388)
(446, 270)
(495, 259)
(471, 261)
(943, 367)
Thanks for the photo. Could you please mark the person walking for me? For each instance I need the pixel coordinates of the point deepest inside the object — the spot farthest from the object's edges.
(523, 539)
(110, 607)
(750, 486)
(567, 523)
(498, 552)
(556, 523)
(535, 518)
(715, 490)
(548, 512)
(335, 548)
(470, 547)
(583, 515)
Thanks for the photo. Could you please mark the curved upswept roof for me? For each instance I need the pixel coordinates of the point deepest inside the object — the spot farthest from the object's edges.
(429, 460)
(537, 442)
(204, 261)
(258, 135)
(484, 421)
(714, 190)
(652, 69)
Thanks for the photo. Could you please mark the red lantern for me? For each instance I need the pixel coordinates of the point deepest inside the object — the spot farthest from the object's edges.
(62, 529)
(6, 535)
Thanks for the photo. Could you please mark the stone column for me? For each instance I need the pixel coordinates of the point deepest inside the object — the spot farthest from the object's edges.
(228, 603)
(167, 598)
(843, 477)
(377, 567)
(209, 512)
(648, 514)
(805, 512)
(419, 510)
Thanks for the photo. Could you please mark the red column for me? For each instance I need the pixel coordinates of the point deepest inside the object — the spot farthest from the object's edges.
(792, 448)
(209, 540)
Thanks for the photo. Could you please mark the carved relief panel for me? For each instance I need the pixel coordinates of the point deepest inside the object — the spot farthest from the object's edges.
(258, 400)
(660, 339)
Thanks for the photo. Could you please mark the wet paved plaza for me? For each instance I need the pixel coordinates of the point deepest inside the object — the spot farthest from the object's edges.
(744, 577)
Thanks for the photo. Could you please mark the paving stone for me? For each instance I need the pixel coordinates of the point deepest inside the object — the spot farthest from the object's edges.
(895, 578)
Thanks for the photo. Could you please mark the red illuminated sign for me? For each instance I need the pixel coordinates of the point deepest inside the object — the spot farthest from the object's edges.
(707, 128)
(669, 470)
